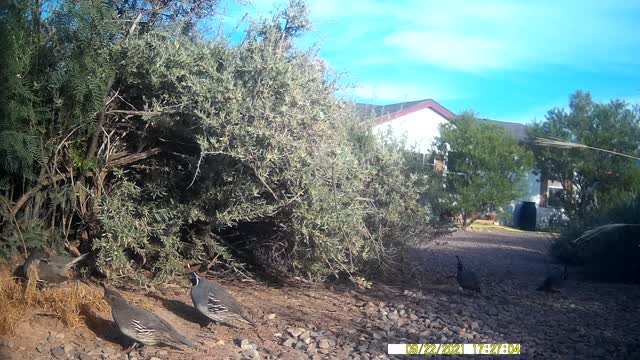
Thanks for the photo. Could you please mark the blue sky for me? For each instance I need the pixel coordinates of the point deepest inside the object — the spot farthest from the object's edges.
(509, 60)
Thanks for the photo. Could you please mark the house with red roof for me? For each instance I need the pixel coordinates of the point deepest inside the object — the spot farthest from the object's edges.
(418, 122)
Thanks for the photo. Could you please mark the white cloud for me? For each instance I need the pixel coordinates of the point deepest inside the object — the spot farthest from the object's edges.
(391, 92)
(469, 35)
(457, 51)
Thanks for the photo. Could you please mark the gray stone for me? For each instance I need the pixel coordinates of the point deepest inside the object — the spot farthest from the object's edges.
(324, 344)
(43, 348)
(296, 332)
(58, 352)
(245, 344)
(311, 348)
(85, 356)
(289, 342)
(251, 354)
(271, 316)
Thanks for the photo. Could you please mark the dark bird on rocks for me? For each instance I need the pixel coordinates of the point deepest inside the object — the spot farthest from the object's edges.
(142, 325)
(212, 300)
(467, 278)
(554, 282)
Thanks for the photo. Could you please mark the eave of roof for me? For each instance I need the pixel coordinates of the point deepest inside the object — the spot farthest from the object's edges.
(425, 104)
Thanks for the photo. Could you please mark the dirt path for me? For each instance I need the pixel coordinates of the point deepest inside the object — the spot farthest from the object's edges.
(585, 321)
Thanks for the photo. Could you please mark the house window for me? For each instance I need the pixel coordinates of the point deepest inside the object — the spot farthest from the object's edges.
(555, 194)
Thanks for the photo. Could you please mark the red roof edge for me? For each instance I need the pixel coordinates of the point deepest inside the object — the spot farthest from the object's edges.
(431, 104)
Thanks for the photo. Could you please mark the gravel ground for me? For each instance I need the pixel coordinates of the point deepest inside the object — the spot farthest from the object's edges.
(584, 321)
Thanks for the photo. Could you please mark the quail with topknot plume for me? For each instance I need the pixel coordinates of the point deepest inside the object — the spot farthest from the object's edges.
(213, 301)
(49, 268)
(467, 278)
(554, 282)
(141, 325)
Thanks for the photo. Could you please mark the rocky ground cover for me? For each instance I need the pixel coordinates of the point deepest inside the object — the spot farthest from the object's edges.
(585, 321)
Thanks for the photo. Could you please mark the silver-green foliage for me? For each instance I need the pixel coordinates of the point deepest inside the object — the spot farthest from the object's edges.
(273, 144)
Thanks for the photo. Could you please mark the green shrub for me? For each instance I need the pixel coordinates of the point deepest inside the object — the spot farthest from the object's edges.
(609, 255)
(242, 152)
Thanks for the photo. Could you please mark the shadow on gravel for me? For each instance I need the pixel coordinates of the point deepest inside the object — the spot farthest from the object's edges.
(182, 310)
(104, 329)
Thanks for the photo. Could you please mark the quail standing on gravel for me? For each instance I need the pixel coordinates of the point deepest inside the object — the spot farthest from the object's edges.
(554, 281)
(467, 279)
(50, 269)
(141, 325)
(212, 300)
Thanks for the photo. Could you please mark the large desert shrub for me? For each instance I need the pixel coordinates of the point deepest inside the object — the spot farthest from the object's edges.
(611, 251)
(159, 147)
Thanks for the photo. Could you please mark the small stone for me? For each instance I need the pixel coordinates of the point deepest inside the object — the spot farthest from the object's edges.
(51, 338)
(85, 356)
(68, 348)
(251, 354)
(58, 352)
(324, 344)
(42, 348)
(475, 325)
(300, 345)
(289, 342)
(311, 348)
(296, 332)
(60, 336)
(154, 358)
(306, 337)
(271, 316)
(245, 344)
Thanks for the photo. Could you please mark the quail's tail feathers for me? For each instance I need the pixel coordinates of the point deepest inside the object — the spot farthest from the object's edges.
(182, 339)
(75, 261)
(247, 321)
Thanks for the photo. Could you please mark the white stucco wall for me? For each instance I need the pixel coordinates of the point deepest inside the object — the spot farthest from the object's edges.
(419, 128)
(422, 127)
(533, 188)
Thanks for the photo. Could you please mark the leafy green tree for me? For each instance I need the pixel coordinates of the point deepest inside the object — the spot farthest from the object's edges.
(486, 166)
(591, 179)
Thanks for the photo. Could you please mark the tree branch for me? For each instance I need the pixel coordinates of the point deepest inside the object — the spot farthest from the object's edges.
(121, 161)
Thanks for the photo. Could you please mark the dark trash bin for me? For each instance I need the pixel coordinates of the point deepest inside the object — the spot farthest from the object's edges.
(527, 216)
